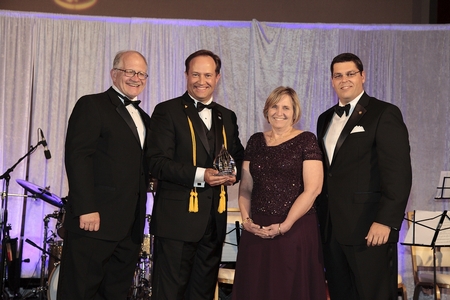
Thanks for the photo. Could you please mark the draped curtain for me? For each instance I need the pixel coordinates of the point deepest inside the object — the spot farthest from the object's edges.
(48, 61)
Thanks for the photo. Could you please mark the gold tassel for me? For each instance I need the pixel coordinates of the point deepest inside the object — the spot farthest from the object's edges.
(221, 207)
(193, 201)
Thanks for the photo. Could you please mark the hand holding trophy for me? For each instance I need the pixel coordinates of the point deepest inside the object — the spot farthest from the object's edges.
(224, 163)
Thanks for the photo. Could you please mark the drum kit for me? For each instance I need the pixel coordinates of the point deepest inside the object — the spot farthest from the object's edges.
(53, 246)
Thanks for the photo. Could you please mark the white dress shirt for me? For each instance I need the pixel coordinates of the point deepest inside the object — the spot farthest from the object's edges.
(335, 128)
(206, 116)
(136, 116)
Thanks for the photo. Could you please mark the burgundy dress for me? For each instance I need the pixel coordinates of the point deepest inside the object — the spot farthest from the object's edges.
(289, 266)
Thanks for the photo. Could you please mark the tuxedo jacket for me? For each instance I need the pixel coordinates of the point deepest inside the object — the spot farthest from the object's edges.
(171, 161)
(369, 179)
(106, 167)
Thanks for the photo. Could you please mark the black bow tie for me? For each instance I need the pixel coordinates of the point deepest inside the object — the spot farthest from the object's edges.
(340, 110)
(201, 106)
(127, 101)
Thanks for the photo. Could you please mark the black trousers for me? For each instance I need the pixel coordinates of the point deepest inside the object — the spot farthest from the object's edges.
(96, 269)
(187, 270)
(359, 272)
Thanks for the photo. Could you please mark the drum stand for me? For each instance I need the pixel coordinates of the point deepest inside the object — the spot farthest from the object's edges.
(142, 287)
(42, 289)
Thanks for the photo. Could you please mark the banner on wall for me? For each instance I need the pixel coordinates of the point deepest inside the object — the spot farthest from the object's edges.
(76, 4)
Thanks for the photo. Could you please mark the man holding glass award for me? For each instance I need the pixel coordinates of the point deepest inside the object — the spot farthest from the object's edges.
(195, 154)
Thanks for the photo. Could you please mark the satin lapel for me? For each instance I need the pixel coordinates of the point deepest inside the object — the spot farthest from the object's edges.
(197, 123)
(324, 128)
(357, 114)
(218, 127)
(143, 117)
(123, 112)
(146, 123)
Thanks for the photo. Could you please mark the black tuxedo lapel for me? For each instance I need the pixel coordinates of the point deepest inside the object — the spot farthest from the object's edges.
(357, 114)
(146, 122)
(123, 112)
(328, 118)
(218, 127)
(197, 123)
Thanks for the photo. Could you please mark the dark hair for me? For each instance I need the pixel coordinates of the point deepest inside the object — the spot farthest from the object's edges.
(345, 57)
(204, 52)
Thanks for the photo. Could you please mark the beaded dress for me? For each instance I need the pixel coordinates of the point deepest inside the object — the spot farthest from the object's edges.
(289, 266)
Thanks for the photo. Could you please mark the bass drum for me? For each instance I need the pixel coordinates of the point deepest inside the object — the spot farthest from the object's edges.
(53, 283)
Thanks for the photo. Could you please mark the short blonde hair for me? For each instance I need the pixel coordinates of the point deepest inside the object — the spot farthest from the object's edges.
(276, 96)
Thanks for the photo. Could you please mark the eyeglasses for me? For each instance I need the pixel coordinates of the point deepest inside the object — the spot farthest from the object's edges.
(131, 73)
(350, 74)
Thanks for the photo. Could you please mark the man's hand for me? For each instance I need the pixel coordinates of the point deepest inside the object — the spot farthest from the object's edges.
(378, 234)
(213, 179)
(90, 222)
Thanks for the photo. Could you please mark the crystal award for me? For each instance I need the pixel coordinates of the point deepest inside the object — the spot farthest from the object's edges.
(224, 163)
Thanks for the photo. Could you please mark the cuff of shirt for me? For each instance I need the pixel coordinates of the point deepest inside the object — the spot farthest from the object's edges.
(199, 180)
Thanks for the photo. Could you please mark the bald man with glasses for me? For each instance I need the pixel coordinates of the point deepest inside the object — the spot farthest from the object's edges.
(108, 173)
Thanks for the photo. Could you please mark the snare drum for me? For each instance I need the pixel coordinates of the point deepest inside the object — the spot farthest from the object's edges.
(53, 283)
(55, 251)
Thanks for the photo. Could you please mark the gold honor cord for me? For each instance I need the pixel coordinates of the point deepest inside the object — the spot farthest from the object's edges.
(221, 207)
(193, 199)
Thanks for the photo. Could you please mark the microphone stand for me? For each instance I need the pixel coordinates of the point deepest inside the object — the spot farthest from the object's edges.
(4, 224)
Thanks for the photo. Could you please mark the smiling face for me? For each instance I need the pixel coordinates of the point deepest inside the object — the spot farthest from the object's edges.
(347, 87)
(201, 78)
(281, 114)
(130, 86)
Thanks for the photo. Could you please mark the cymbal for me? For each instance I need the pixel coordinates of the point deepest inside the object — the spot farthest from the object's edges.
(41, 193)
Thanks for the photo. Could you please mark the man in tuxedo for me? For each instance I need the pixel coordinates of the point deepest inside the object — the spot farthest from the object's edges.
(189, 212)
(366, 187)
(107, 173)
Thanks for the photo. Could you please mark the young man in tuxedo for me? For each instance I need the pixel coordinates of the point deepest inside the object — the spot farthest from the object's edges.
(107, 173)
(189, 212)
(366, 187)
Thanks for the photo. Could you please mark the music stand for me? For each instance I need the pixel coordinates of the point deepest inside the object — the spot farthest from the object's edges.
(425, 230)
(443, 191)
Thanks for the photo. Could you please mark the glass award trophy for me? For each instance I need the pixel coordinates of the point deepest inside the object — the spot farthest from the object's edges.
(224, 163)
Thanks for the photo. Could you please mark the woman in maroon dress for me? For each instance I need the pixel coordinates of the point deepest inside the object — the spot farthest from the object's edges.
(280, 255)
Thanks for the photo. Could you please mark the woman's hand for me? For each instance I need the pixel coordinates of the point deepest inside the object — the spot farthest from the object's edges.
(265, 232)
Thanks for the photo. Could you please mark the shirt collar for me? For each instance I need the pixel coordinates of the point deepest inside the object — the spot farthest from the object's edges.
(120, 93)
(195, 100)
(352, 103)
